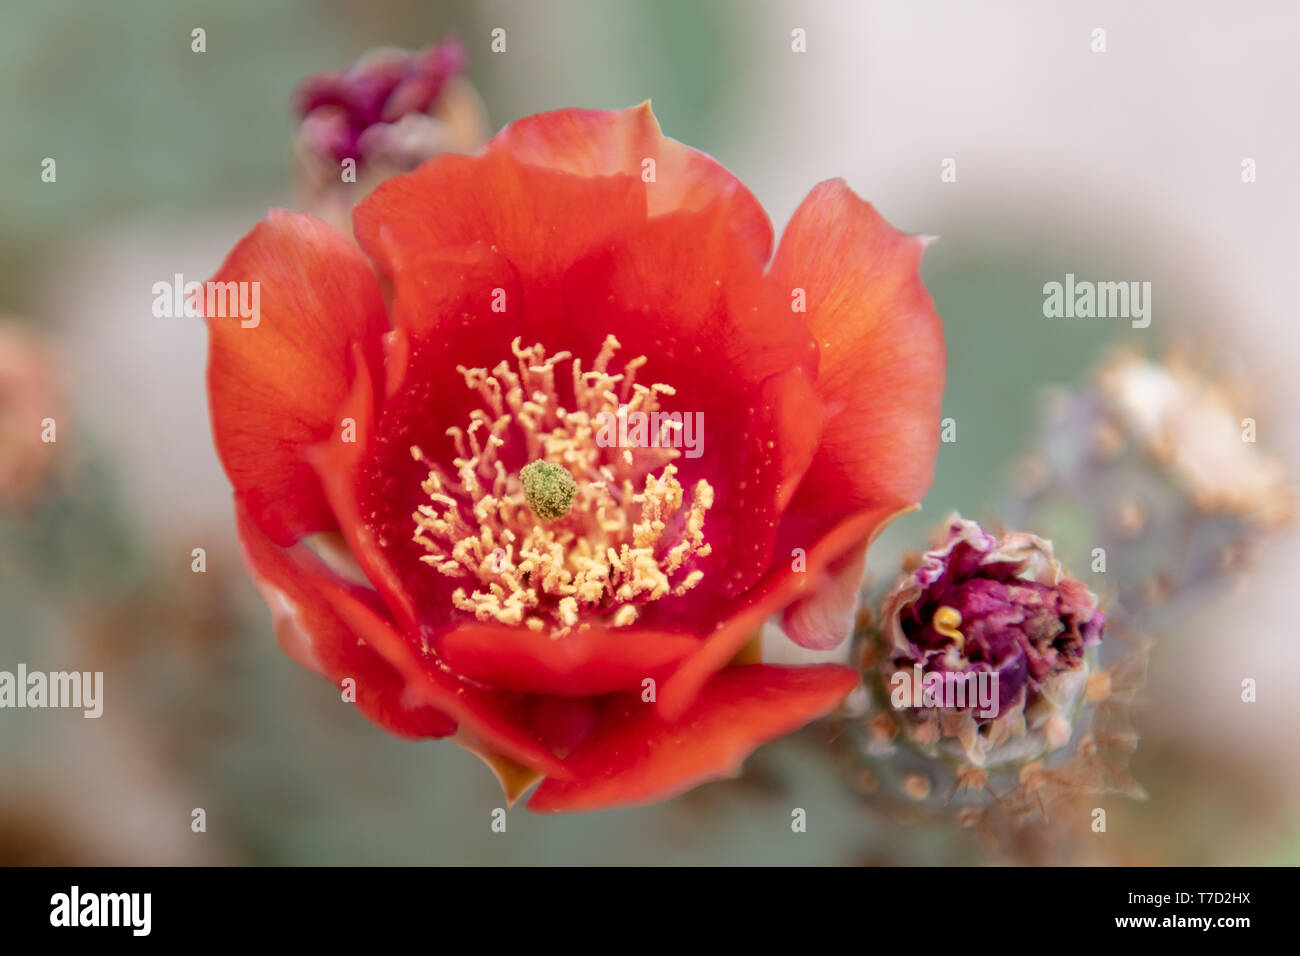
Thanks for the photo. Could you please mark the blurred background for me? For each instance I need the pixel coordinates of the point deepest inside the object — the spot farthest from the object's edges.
(1125, 165)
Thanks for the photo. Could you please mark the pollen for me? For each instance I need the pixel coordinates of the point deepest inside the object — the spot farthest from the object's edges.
(946, 621)
(586, 532)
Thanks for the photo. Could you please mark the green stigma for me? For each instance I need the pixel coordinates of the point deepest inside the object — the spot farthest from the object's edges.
(549, 489)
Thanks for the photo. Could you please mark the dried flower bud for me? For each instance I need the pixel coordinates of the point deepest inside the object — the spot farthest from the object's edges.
(386, 114)
(984, 697)
(997, 618)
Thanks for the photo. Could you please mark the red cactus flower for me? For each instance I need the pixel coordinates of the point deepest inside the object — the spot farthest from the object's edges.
(581, 622)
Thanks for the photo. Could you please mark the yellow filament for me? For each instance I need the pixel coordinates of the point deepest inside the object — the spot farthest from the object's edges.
(946, 621)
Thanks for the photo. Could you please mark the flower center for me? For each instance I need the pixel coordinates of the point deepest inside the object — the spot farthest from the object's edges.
(549, 489)
(569, 538)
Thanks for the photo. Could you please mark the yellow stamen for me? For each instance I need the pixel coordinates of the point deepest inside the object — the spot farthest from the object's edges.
(617, 547)
(946, 621)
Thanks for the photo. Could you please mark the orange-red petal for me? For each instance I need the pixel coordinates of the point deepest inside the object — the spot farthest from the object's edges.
(629, 142)
(314, 635)
(785, 583)
(401, 686)
(881, 373)
(589, 661)
(632, 757)
(337, 464)
(274, 387)
(823, 619)
(540, 220)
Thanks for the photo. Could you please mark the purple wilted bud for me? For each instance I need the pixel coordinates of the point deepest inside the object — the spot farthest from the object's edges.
(346, 106)
(983, 650)
(384, 115)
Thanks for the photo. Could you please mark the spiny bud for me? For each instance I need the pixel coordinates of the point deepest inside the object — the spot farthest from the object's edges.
(549, 489)
(985, 694)
(984, 607)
